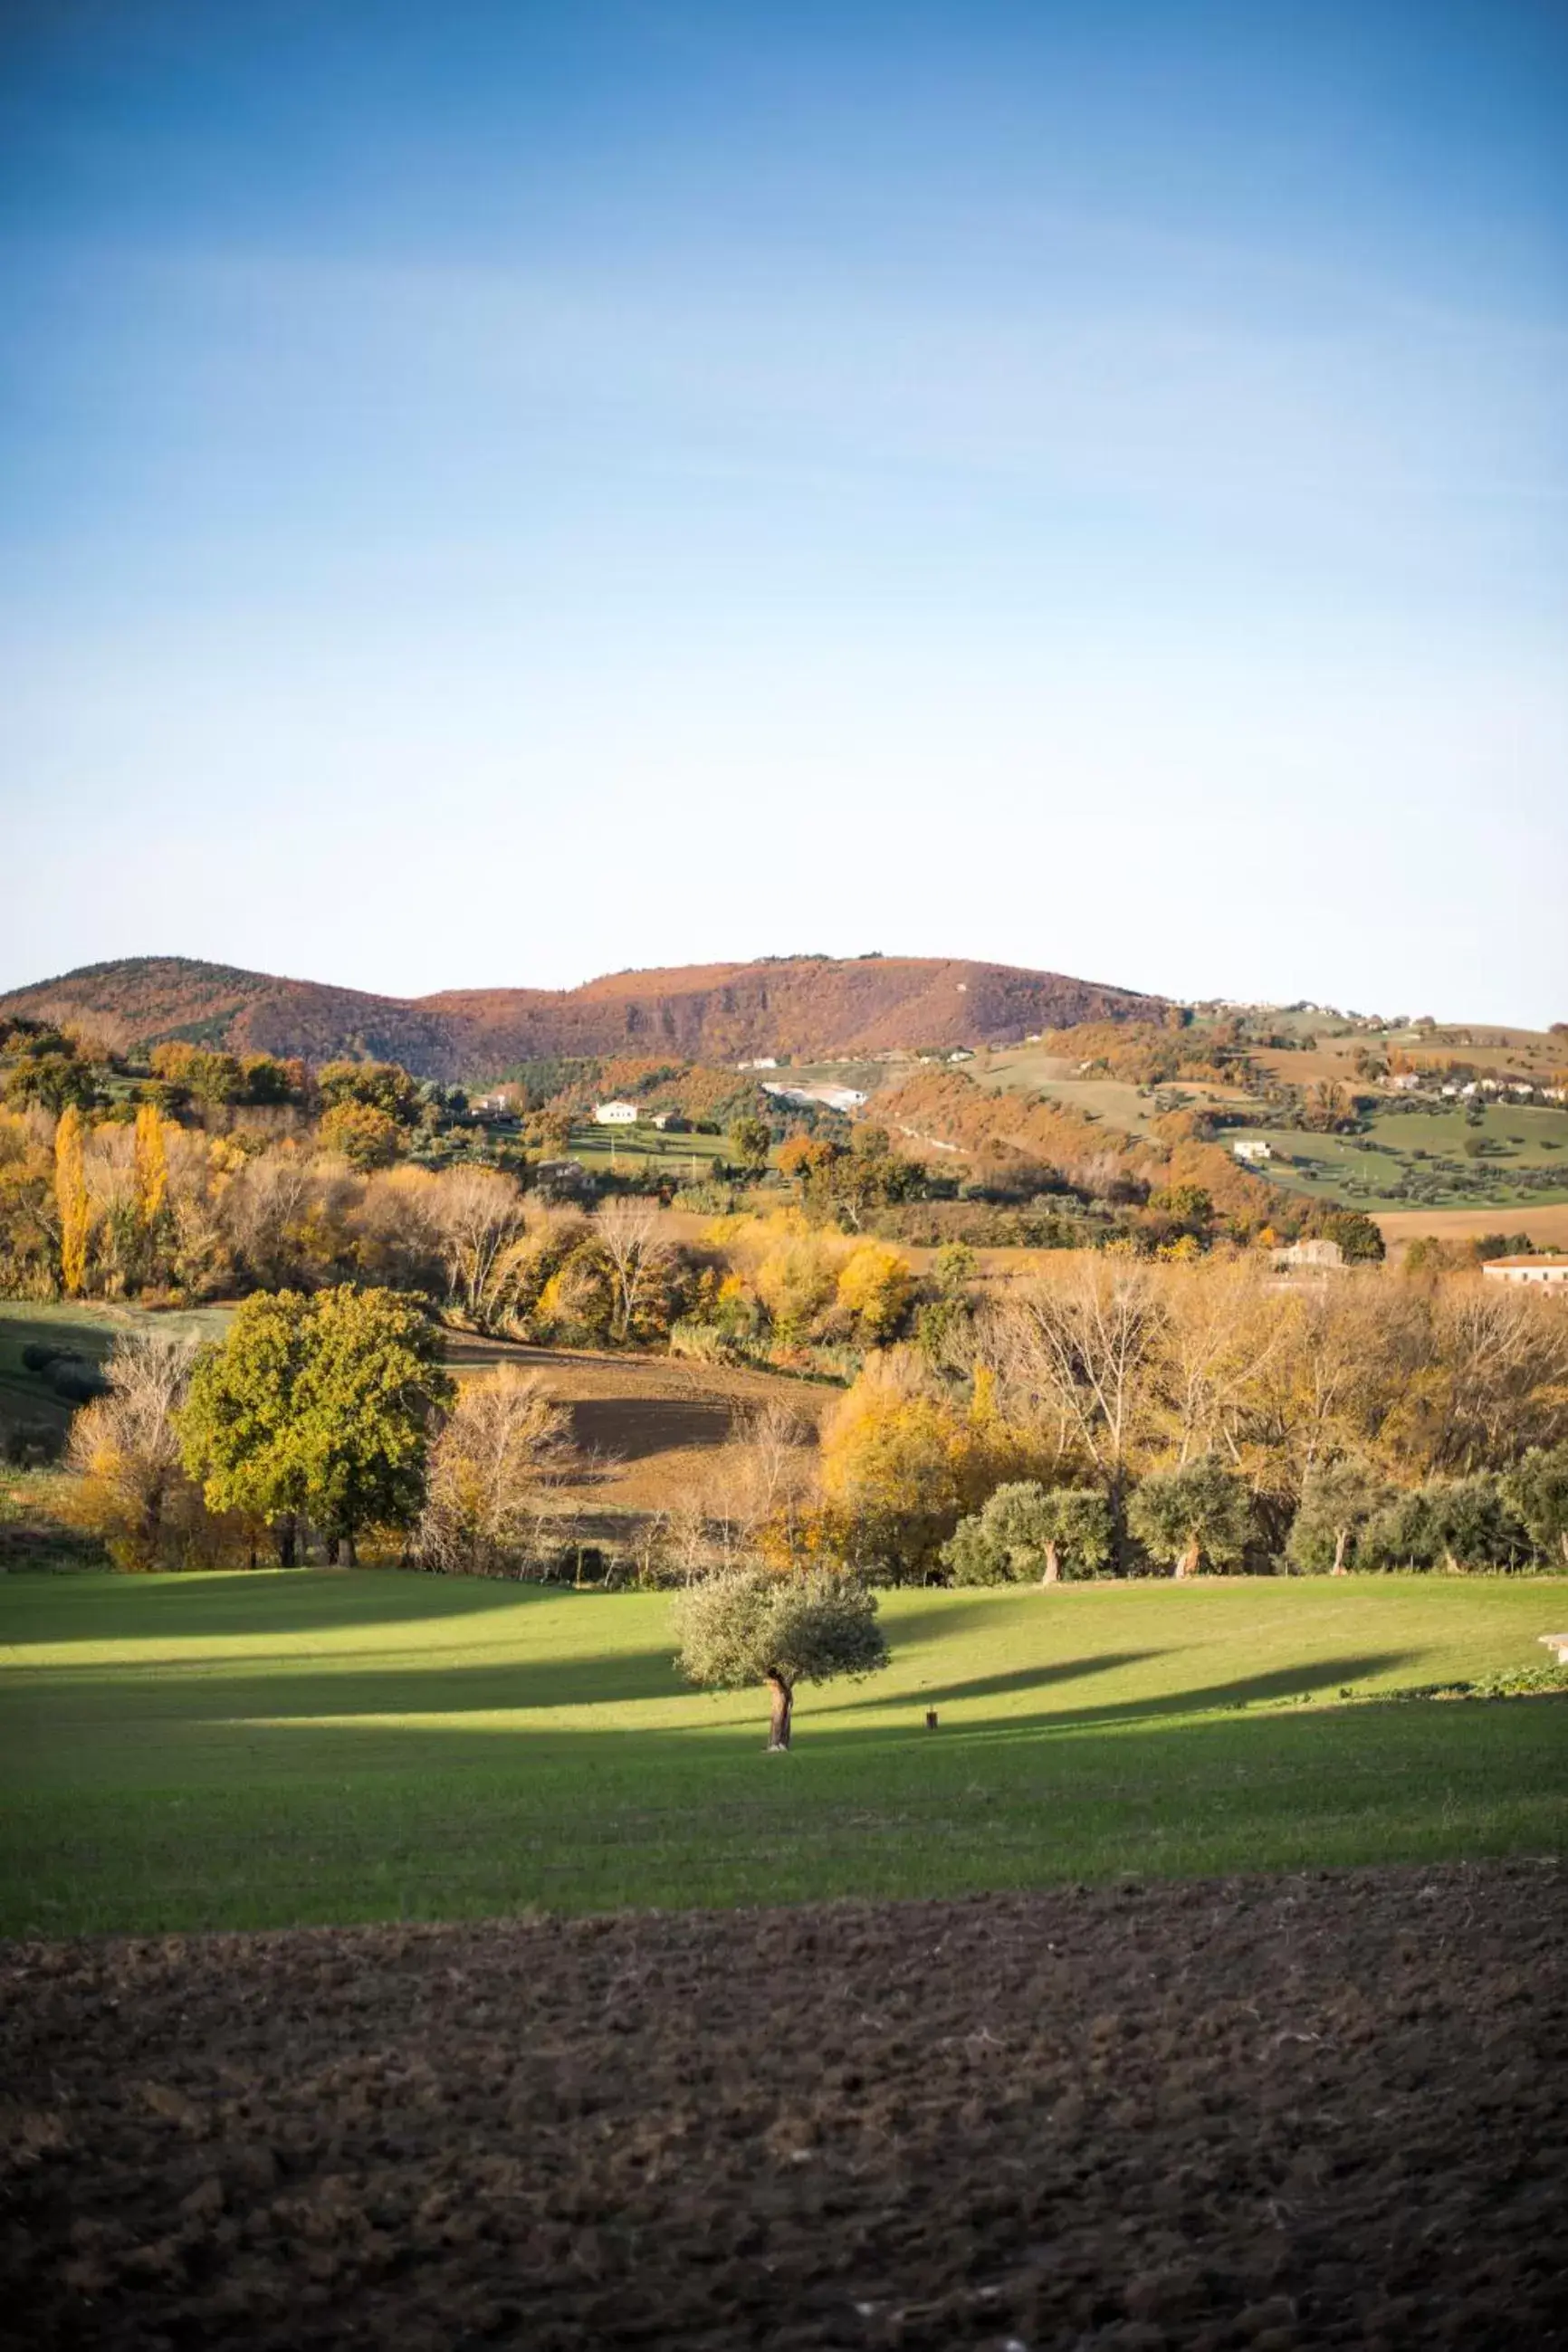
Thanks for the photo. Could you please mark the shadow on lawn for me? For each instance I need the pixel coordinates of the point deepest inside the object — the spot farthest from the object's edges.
(1313, 1676)
(298, 1600)
(1023, 1678)
(421, 1699)
(293, 1686)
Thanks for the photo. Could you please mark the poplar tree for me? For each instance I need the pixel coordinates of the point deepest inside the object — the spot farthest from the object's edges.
(70, 1199)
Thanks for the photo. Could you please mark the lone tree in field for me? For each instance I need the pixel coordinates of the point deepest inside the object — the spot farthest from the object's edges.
(748, 1628)
(1027, 1532)
(1196, 1516)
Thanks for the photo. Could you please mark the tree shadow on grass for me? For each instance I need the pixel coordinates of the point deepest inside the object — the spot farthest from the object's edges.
(1312, 1677)
(934, 1621)
(320, 1688)
(297, 1601)
(1023, 1678)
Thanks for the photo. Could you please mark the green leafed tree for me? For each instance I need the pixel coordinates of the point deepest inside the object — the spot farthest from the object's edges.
(1536, 1491)
(1027, 1533)
(318, 1407)
(1197, 1516)
(751, 1628)
(380, 1086)
(238, 1433)
(751, 1139)
(1338, 1500)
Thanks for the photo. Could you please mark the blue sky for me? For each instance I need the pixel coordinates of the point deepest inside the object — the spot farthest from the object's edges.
(494, 494)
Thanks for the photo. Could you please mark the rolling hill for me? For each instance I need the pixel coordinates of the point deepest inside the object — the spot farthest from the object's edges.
(805, 1006)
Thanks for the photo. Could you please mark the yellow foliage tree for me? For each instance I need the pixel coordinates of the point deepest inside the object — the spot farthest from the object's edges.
(71, 1200)
(874, 1286)
(152, 1165)
(902, 1463)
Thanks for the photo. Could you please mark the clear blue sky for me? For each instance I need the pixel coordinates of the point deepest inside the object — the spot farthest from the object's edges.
(490, 494)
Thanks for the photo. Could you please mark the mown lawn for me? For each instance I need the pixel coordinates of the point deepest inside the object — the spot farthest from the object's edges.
(249, 1750)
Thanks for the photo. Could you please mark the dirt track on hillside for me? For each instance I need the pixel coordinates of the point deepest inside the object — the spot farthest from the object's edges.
(1300, 2111)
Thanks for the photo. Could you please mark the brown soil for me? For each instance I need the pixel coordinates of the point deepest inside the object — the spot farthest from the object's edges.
(1547, 1227)
(646, 1427)
(1323, 2109)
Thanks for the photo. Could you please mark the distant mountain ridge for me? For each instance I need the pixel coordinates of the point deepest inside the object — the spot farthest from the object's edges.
(807, 1006)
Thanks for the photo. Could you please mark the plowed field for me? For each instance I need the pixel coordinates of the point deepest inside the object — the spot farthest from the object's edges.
(1304, 2110)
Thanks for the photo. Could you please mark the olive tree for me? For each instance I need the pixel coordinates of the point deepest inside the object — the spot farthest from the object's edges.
(1196, 1515)
(1338, 1500)
(1536, 1491)
(1028, 1531)
(748, 1627)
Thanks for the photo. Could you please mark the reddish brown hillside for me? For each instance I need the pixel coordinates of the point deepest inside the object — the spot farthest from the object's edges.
(805, 1006)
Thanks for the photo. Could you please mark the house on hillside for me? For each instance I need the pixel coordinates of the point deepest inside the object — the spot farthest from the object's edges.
(616, 1114)
(1549, 1272)
(1253, 1150)
(1317, 1253)
(1406, 1082)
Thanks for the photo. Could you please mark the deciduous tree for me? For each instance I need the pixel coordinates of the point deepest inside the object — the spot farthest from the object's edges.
(318, 1407)
(125, 1447)
(503, 1439)
(71, 1201)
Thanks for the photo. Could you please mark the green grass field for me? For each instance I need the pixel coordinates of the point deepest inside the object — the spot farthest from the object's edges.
(683, 1158)
(241, 1751)
(1526, 1164)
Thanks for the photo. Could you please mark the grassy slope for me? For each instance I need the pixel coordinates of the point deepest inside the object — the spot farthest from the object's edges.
(88, 1329)
(242, 1751)
(1339, 1168)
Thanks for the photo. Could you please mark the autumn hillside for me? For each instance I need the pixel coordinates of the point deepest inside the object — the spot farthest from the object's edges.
(808, 1006)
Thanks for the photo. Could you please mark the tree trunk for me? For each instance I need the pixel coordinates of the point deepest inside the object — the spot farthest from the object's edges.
(782, 1707)
(1342, 1538)
(1188, 1563)
(1052, 1568)
(286, 1540)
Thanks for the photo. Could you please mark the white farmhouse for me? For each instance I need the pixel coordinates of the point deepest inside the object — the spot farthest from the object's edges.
(1253, 1150)
(1315, 1252)
(1549, 1272)
(616, 1114)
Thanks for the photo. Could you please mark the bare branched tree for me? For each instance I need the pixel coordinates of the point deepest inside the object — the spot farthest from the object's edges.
(125, 1446)
(505, 1438)
(1079, 1354)
(627, 1231)
(482, 1221)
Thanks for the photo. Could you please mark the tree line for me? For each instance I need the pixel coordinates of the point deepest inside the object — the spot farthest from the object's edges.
(1103, 1420)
